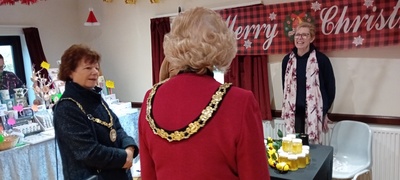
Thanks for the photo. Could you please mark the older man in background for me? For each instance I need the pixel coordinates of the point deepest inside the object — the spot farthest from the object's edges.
(8, 80)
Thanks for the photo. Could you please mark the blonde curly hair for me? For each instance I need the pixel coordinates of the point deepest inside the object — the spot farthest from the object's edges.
(200, 41)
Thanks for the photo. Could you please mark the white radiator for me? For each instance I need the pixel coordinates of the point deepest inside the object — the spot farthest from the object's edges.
(385, 148)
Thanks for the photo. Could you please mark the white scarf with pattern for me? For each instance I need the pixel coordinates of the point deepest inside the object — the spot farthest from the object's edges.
(314, 102)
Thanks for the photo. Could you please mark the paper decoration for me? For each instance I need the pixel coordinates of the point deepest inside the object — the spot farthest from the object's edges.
(35, 107)
(11, 121)
(12, 2)
(130, 1)
(18, 108)
(56, 97)
(45, 65)
(7, 2)
(91, 20)
(109, 84)
(28, 2)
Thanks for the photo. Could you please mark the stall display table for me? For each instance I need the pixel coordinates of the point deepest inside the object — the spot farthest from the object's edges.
(35, 161)
(41, 162)
(320, 167)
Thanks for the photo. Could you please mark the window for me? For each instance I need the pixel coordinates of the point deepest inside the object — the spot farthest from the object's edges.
(16, 56)
(10, 48)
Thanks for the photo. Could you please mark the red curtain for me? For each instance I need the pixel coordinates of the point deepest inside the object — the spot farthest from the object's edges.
(251, 73)
(159, 27)
(35, 49)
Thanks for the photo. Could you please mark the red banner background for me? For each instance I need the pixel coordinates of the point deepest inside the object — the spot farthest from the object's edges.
(268, 29)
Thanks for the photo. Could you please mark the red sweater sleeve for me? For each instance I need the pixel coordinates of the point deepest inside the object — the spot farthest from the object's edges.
(146, 162)
(251, 153)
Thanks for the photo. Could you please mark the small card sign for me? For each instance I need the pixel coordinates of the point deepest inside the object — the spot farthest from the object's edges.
(110, 84)
(3, 107)
(45, 65)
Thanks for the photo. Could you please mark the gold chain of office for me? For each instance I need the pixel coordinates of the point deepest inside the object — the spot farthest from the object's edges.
(113, 133)
(192, 127)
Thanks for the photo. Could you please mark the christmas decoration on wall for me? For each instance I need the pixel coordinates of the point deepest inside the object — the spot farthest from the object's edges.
(293, 20)
(91, 20)
(12, 2)
(130, 1)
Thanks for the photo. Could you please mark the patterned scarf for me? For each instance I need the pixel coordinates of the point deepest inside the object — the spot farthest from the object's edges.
(313, 98)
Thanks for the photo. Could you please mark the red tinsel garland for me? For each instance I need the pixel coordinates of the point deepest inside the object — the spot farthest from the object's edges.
(7, 2)
(12, 2)
(28, 2)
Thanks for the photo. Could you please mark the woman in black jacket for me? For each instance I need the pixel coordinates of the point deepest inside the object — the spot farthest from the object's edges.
(89, 134)
(308, 86)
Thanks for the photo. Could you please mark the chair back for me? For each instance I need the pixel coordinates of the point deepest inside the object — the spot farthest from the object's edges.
(352, 142)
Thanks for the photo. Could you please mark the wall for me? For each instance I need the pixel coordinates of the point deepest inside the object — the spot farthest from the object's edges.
(366, 78)
(125, 40)
(57, 24)
(55, 19)
(366, 81)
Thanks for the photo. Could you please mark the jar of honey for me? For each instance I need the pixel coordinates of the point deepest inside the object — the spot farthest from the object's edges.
(307, 153)
(297, 146)
(287, 144)
(301, 159)
(283, 157)
(293, 162)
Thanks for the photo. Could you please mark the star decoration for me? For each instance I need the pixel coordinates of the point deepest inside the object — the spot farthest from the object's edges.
(368, 3)
(247, 44)
(358, 40)
(315, 6)
(272, 16)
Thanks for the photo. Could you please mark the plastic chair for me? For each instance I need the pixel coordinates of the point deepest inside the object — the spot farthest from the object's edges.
(352, 149)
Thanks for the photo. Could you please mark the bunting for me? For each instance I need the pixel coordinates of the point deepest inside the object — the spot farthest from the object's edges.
(12, 2)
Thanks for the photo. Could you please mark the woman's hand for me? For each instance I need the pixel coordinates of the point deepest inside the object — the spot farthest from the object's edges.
(325, 127)
(129, 158)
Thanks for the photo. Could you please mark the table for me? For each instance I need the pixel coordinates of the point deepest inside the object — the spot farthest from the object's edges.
(36, 161)
(39, 162)
(320, 167)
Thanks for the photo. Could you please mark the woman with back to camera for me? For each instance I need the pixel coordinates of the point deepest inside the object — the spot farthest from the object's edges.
(88, 133)
(308, 86)
(191, 126)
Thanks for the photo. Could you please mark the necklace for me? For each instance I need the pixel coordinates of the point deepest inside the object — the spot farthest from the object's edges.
(113, 133)
(195, 125)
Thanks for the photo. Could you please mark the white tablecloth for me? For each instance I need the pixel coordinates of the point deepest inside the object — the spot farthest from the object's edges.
(38, 161)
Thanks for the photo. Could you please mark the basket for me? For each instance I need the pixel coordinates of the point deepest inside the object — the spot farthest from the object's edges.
(9, 142)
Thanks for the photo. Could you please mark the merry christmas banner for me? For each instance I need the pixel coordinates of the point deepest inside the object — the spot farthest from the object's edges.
(269, 29)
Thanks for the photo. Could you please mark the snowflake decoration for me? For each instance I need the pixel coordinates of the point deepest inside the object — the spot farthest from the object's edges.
(315, 6)
(272, 16)
(358, 40)
(368, 3)
(247, 44)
